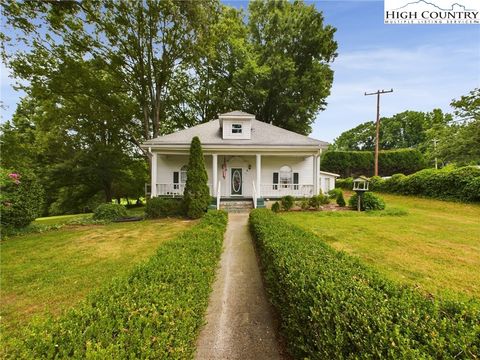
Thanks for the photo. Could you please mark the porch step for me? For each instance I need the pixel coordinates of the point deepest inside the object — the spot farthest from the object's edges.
(237, 206)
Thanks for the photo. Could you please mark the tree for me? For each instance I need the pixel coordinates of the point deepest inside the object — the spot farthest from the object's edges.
(468, 106)
(408, 129)
(148, 48)
(196, 195)
(291, 77)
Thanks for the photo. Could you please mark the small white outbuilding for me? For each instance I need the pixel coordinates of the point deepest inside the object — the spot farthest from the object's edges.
(327, 181)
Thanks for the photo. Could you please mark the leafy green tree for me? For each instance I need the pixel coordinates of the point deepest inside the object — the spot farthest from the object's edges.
(459, 141)
(408, 129)
(468, 106)
(196, 196)
(292, 77)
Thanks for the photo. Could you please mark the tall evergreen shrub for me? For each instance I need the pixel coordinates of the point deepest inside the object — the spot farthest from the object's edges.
(196, 195)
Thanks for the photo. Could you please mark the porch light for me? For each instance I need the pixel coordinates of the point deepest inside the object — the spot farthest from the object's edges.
(360, 186)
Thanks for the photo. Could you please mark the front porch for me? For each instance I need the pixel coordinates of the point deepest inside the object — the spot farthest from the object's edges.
(241, 176)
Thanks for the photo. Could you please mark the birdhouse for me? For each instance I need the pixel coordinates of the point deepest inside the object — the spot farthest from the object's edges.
(360, 184)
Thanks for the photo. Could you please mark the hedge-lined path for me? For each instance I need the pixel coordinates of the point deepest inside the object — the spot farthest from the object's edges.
(239, 319)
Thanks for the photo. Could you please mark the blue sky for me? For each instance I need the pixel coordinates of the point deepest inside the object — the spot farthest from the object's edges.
(426, 65)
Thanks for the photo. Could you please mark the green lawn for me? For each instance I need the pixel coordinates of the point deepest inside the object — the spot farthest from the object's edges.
(435, 247)
(48, 272)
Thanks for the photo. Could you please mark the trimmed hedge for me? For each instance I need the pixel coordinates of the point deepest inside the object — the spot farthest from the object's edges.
(356, 163)
(162, 207)
(332, 306)
(154, 312)
(461, 184)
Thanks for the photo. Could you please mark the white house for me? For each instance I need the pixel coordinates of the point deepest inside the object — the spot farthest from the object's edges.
(245, 158)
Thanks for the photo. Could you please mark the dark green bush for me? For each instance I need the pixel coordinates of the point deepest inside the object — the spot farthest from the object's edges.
(448, 184)
(155, 312)
(163, 207)
(376, 183)
(21, 199)
(109, 212)
(370, 201)
(346, 184)
(287, 202)
(304, 204)
(332, 306)
(276, 207)
(356, 163)
(332, 194)
(196, 194)
(340, 200)
(318, 200)
(471, 191)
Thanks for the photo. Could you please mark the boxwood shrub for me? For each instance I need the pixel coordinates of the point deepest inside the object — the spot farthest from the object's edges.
(162, 207)
(287, 202)
(370, 202)
(153, 313)
(109, 212)
(332, 306)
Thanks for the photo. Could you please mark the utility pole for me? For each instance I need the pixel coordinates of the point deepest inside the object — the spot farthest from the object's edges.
(435, 151)
(377, 142)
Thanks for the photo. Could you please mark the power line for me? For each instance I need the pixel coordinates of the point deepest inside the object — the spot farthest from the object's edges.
(377, 142)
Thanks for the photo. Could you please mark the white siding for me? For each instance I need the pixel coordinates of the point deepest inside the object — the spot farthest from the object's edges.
(302, 165)
(168, 164)
(327, 182)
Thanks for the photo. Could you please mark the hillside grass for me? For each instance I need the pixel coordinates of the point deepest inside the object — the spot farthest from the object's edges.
(45, 273)
(434, 247)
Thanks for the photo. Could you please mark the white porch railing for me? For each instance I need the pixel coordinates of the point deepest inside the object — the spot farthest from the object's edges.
(279, 190)
(174, 190)
(254, 194)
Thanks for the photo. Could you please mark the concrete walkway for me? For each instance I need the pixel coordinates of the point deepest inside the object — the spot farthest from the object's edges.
(239, 320)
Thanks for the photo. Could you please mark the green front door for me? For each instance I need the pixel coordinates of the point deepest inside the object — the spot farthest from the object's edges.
(236, 181)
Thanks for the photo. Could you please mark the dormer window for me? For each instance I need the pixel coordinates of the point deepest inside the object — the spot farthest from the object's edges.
(236, 128)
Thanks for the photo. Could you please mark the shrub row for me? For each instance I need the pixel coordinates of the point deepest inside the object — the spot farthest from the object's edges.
(288, 202)
(355, 163)
(163, 207)
(154, 312)
(448, 183)
(331, 306)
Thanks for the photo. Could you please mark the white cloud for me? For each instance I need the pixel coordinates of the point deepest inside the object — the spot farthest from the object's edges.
(423, 78)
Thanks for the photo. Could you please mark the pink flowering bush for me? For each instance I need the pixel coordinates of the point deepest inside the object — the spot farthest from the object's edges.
(21, 199)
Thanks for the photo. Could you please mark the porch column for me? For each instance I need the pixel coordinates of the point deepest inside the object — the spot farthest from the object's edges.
(153, 185)
(320, 186)
(214, 174)
(315, 175)
(319, 179)
(258, 166)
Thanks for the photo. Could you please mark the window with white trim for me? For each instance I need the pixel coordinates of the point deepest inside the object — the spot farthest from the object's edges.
(285, 176)
(236, 128)
(183, 174)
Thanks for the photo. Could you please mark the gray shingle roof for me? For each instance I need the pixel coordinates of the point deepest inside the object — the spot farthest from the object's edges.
(237, 113)
(263, 134)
